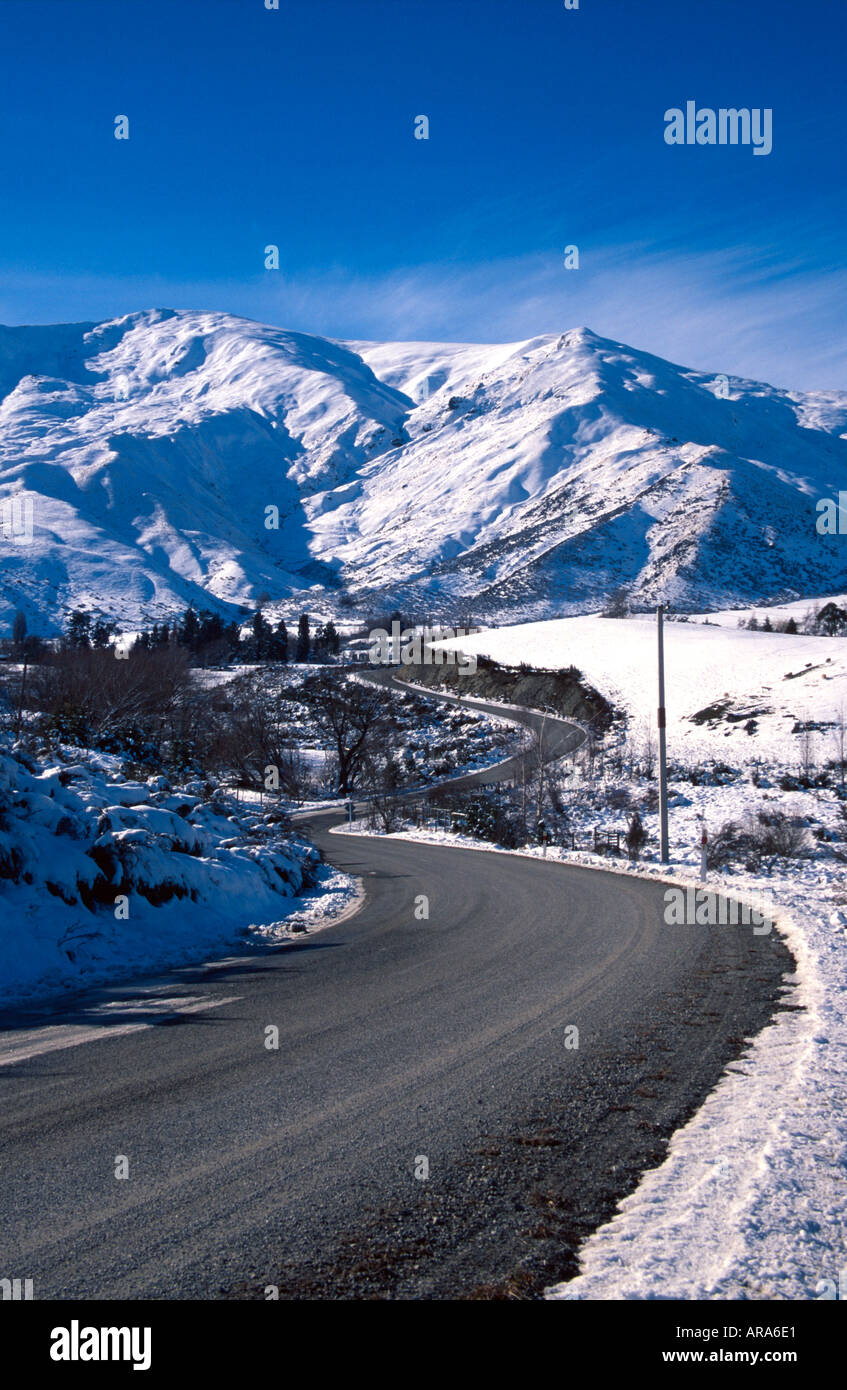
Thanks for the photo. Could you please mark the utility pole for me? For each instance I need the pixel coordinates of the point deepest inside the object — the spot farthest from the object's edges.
(663, 752)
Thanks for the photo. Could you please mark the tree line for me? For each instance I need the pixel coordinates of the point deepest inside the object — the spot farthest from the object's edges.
(205, 637)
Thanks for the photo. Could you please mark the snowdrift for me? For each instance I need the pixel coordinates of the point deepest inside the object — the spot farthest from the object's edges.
(99, 876)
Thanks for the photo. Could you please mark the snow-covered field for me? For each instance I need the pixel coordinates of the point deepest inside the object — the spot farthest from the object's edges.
(101, 878)
(798, 609)
(771, 679)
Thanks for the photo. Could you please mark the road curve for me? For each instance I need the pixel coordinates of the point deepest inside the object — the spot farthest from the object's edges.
(558, 737)
(423, 1129)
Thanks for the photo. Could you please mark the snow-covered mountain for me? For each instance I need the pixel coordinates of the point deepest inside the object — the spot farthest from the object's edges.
(522, 480)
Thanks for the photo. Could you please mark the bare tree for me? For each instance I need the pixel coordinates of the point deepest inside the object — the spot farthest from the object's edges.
(540, 760)
(806, 748)
(294, 778)
(248, 734)
(535, 774)
(353, 718)
(383, 776)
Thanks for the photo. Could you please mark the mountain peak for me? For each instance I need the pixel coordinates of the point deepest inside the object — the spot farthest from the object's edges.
(173, 456)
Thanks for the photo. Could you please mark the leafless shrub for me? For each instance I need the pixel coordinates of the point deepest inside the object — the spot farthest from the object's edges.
(618, 798)
(636, 836)
(806, 744)
(383, 777)
(781, 836)
(764, 836)
(839, 739)
(250, 735)
(89, 693)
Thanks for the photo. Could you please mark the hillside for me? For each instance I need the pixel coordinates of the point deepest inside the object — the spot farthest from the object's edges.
(738, 696)
(518, 481)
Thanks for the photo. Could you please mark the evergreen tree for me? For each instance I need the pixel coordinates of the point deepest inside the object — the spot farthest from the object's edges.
(831, 620)
(79, 629)
(190, 631)
(618, 604)
(211, 629)
(232, 633)
(303, 642)
(102, 633)
(481, 820)
(19, 629)
(261, 637)
(331, 639)
(281, 641)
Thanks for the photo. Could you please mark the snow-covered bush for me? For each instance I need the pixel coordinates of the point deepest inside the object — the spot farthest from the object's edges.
(481, 819)
(760, 837)
(85, 853)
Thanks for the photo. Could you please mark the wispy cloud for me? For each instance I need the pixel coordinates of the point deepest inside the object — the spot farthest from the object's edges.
(753, 313)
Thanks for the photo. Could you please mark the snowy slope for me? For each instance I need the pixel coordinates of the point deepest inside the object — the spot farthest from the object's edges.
(152, 445)
(573, 464)
(748, 690)
(517, 480)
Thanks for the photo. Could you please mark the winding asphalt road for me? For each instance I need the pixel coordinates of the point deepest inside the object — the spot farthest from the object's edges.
(558, 737)
(423, 1129)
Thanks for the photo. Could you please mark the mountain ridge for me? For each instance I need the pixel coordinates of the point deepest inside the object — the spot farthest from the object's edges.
(520, 480)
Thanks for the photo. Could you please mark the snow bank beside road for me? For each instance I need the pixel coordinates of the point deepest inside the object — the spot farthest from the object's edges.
(751, 1201)
(101, 878)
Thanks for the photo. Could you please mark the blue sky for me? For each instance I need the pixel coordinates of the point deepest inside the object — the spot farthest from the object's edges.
(250, 127)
